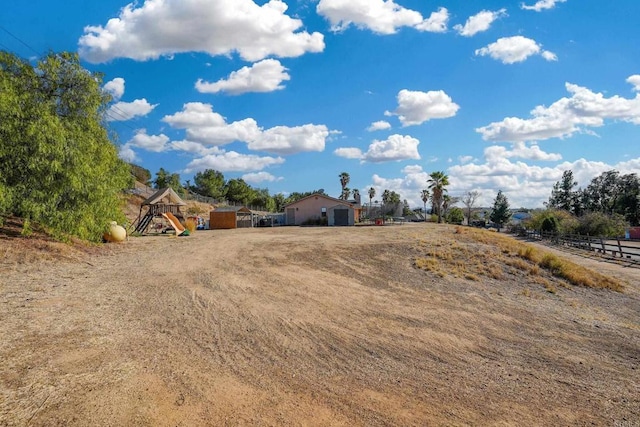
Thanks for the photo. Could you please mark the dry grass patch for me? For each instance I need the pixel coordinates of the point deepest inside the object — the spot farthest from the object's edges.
(472, 253)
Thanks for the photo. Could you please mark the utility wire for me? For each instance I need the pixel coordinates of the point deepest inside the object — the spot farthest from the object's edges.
(20, 40)
(114, 113)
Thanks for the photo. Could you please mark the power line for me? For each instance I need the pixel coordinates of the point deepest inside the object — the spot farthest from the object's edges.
(20, 40)
(116, 114)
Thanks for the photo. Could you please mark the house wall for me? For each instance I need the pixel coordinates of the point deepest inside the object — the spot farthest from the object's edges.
(310, 208)
(331, 212)
(222, 220)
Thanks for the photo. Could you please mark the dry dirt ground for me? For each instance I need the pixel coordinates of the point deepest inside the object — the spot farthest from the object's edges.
(305, 326)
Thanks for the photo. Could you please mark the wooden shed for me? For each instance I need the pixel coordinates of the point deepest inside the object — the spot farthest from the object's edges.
(230, 217)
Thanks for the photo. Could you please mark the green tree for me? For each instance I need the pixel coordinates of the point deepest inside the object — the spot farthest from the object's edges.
(406, 210)
(263, 199)
(455, 215)
(390, 202)
(562, 195)
(295, 196)
(58, 166)
(628, 202)
(210, 183)
(166, 179)
(237, 190)
(438, 182)
(500, 213)
(279, 202)
(344, 181)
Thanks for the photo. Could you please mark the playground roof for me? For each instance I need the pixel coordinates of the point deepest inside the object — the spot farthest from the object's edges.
(164, 196)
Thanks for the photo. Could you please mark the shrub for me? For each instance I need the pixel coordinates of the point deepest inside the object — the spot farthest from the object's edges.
(599, 224)
(455, 215)
(191, 225)
(550, 224)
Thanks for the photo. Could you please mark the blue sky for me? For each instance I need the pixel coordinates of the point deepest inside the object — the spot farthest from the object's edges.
(288, 94)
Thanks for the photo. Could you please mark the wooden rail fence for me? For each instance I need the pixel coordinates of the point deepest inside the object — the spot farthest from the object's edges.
(614, 247)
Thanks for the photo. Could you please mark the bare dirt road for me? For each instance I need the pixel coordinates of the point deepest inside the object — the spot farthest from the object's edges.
(306, 326)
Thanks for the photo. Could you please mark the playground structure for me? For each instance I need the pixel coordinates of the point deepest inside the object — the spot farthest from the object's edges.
(175, 223)
(163, 205)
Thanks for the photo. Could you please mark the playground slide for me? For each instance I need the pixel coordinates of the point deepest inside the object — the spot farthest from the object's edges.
(175, 223)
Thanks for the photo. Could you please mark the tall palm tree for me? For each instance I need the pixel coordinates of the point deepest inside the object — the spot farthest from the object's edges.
(356, 194)
(446, 203)
(424, 195)
(438, 182)
(372, 194)
(344, 181)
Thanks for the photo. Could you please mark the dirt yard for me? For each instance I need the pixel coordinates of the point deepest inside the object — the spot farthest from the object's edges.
(305, 326)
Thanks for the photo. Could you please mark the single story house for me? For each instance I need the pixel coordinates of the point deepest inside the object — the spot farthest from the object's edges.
(320, 209)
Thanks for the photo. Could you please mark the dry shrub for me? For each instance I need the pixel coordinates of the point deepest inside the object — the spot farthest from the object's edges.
(191, 225)
(476, 252)
(458, 230)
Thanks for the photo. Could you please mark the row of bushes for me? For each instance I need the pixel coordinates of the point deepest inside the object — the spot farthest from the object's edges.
(563, 222)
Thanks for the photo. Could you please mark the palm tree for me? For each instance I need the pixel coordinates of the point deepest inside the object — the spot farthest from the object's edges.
(372, 194)
(344, 180)
(425, 198)
(345, 193)
(446, 203)
(356, 195)
(438, 182)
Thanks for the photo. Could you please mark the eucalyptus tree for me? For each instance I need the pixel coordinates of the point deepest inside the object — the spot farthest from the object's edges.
(58, 165)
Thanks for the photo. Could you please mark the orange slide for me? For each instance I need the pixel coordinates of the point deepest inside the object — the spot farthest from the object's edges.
(175, 223)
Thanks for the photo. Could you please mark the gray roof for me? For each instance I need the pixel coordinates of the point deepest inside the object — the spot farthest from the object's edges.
(164, 196)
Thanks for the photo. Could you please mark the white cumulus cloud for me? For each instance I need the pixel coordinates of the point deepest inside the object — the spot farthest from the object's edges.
(217, 27)
(348, 152)
(115, 88)
(415, 107)
(123, 111)
(480, 22)
(258, 177)
(395, 148)
(514, 49)
(291, 140)
(583, 109)
(379, 16)
(379, 125)
(232, 161)
(127, 154)
(635, 81)
(203, 125)
(436, 23)
(520, 150)
(155, 143)
(264, 76)
(542, 5)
